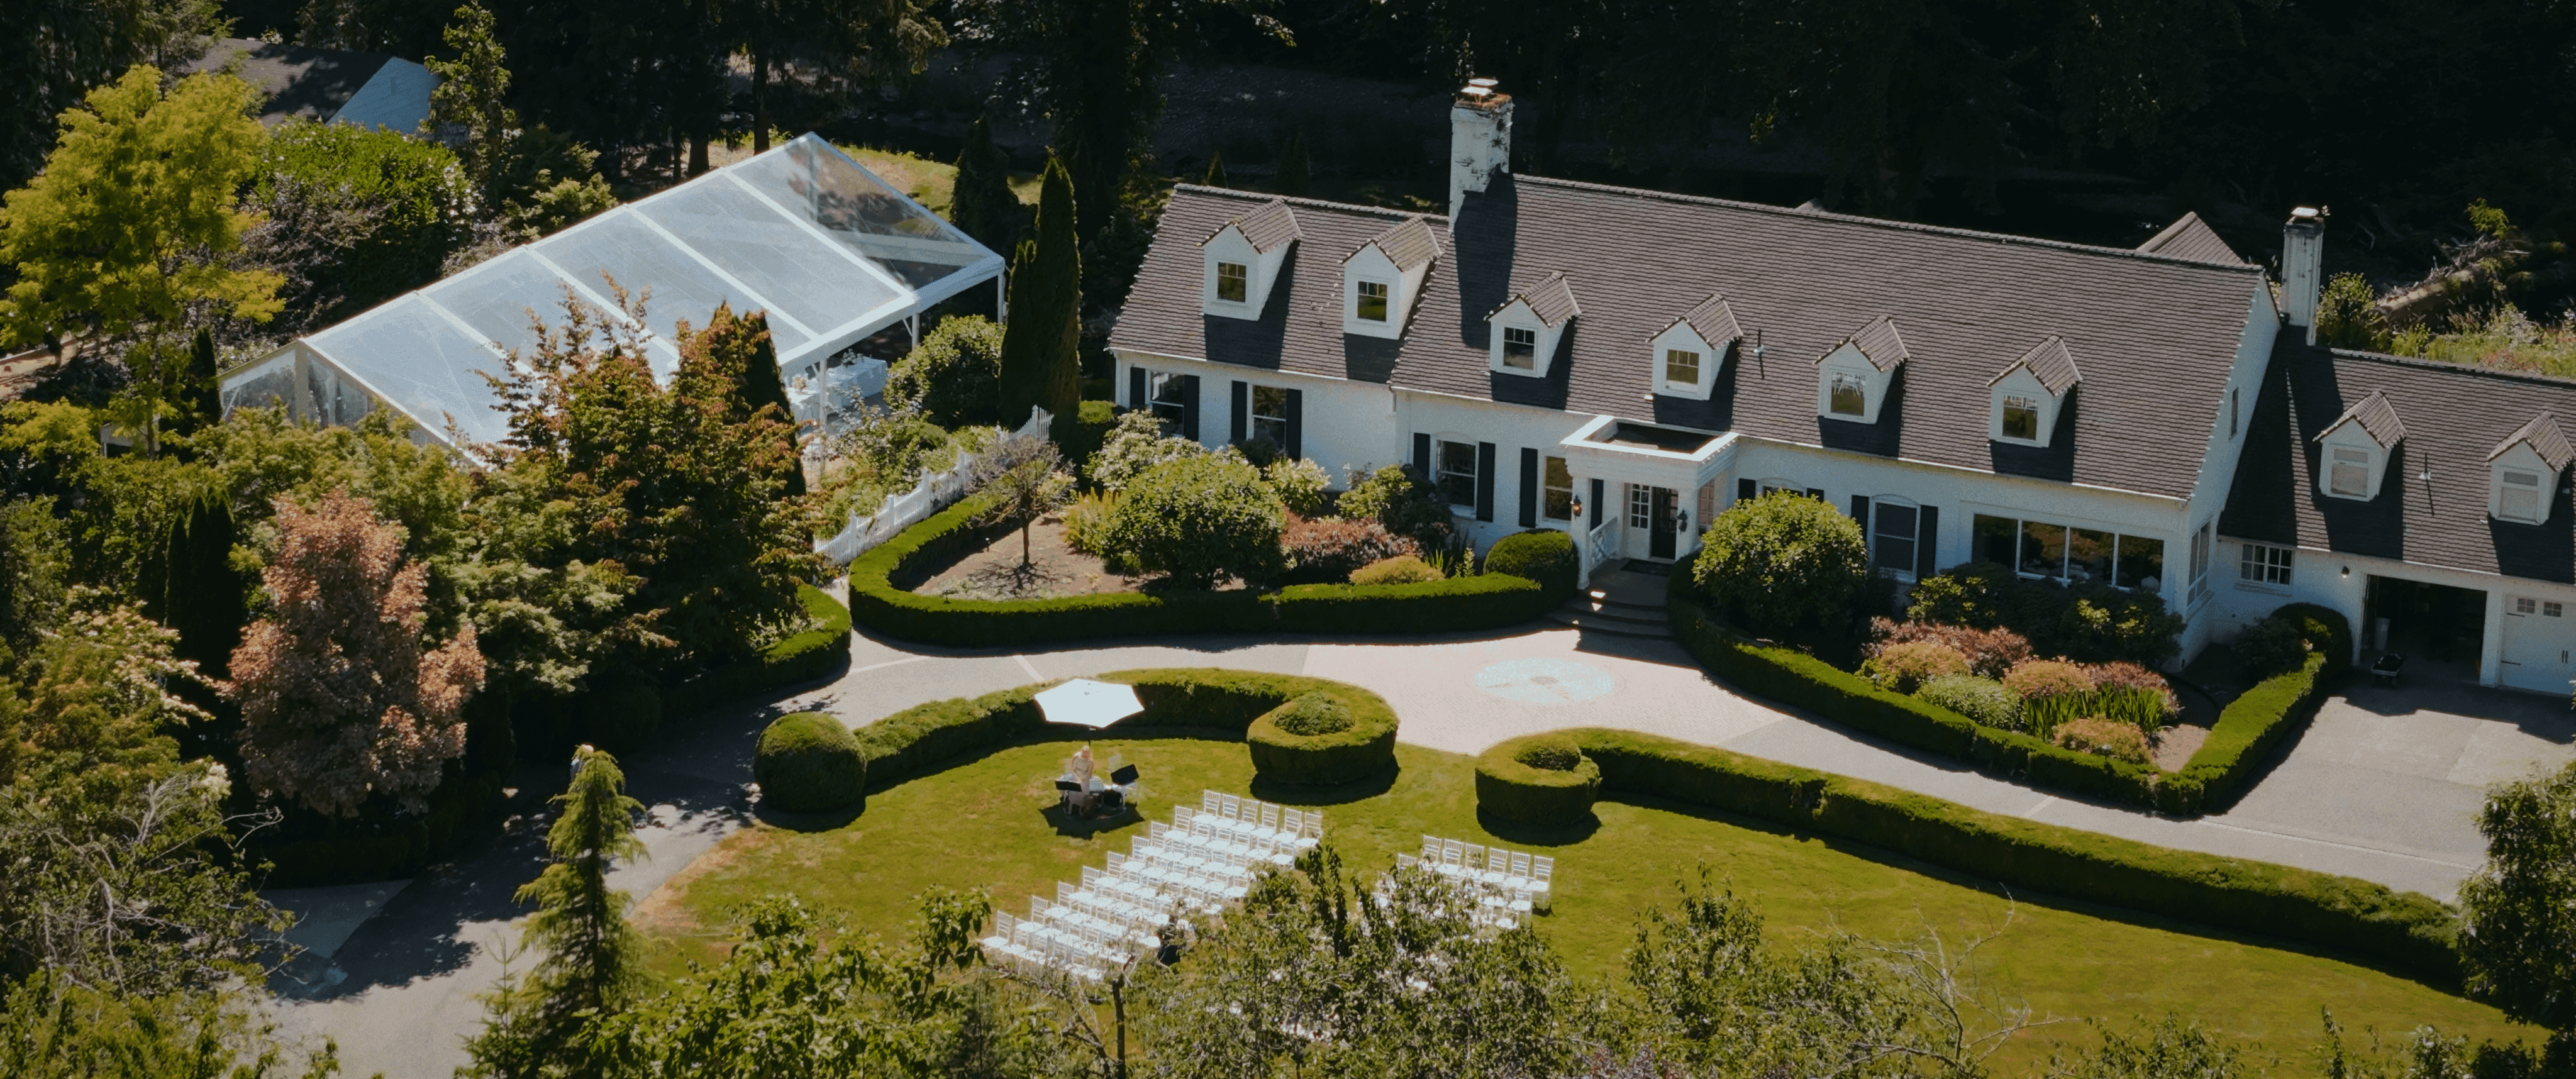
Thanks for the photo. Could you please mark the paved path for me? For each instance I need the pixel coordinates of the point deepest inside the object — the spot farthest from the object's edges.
(2383, 795)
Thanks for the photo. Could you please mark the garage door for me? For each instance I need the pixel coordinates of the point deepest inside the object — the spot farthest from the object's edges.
(2537, 640)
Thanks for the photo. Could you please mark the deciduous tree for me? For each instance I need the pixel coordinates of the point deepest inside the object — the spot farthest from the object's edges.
(2518, 912)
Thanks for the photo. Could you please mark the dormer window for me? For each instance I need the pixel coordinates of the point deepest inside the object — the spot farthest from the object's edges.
(1243, 258)
(2526, 467)
(1527, 327)
(1681, 367)
(1383, 278)
(1848, 397)
(2027, 395)
(2021, 418)
(1688, 355)
(2353, 451)
(1853, 379)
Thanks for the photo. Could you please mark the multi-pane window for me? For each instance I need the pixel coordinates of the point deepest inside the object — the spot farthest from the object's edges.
(1520, 348)
(2021, 418)
(1270, 415)
(1457, 472)
(1372, 301)
(2518, 498)
(1847, 397)
(2553, 608)
(2350, 474)
(1892, 535)
(2265, 564)
(1559, 485)
(2525, 605)
(1681, 367)
(2074, 555)
(1169, 395)
(1233, 282)
(1641, 506)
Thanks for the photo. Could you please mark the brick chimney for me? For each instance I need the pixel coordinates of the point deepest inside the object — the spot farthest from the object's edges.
(1480, 139)
(2303, 252)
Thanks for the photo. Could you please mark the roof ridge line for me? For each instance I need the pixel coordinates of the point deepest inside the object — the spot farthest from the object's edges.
(1879, 222)
(1320, 204)
(2425, 364)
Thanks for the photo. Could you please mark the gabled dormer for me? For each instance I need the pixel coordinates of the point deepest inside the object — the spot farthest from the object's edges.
(2024, 399)
(2522, 473)
(2353, 451)
(1242, 260)
(1687, 356)
(1382, 280)
(1852, 380)
(1526, 328)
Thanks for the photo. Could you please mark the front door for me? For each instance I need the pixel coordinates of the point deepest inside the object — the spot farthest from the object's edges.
(1660, 541)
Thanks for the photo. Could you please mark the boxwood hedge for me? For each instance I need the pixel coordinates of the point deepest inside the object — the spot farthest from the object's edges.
(807, 762)
(2241, 742)
(927, 738)
(2402, 931)
(881, 598)
(1521, 783)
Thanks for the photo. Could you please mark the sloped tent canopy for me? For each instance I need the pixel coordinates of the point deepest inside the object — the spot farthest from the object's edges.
(830, 251)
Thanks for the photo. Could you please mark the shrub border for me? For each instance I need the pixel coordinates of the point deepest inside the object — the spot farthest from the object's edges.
(881, 599)
(813, 654)
(2405, 932)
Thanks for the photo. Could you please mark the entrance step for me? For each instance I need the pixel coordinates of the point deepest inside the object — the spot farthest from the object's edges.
(1595, 614)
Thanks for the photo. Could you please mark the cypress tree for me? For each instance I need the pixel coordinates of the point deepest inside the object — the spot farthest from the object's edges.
(1041, 346)
(202, 595)
(761, 385)
(1294, 172)
(981, 202)
(199, 398)
(1216, 170)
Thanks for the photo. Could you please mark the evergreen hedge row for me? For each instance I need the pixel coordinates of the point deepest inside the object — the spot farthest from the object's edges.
(931, 737)
(2405, 932)
(881, 598)
(2241, 742)
(805, 657)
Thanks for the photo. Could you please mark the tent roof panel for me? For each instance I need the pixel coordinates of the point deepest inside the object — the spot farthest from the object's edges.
(618, 245)
(429, 367)
(799, 272)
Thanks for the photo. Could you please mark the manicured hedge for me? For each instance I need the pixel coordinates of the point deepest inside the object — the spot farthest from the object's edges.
(927, 738)
(1803, 681)
(807, 762)
(2402, 931)
(805, 657)
(354, 851)
(1545, 555)
(881, 599)
(2241, 742)
(1510, 788)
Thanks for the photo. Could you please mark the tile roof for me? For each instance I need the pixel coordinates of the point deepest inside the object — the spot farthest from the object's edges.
(1551, 300)
(1409, 244)
(1714, 322)
(2432, 507)
(1878, 341)
(1267, 227)
(2189, 237)
(2048, 362)
(2377, 418)
(298, 81)
(2159, 334)
(2545, 439)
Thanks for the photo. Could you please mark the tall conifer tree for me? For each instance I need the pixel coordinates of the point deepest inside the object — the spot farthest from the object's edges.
(203, 597)
(1216, 170)
(1041, 348)
(981, 203)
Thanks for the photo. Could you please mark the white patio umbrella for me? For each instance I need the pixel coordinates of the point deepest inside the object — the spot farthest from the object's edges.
(1086, 703)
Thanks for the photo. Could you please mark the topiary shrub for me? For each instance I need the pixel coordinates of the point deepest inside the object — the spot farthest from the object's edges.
(1903, 668)
(1781, 561)
(2325, 629)
(1325, 736)
(1983, 700)
(954, 376)
(2103, 737)
(2270, 647)
(808, 762)
(1312, 714)
(1401, 569)
(1544, 555)
(1327, 550)
(1197, 520)
(1542, 779)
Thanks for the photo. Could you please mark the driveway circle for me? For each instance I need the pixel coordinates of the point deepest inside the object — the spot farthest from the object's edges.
(1545, 681)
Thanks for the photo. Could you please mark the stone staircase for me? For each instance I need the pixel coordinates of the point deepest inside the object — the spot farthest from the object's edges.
(1620, 602)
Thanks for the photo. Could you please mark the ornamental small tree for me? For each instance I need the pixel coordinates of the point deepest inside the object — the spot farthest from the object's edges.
(1782, 561)
(1023, 477)
(1198, 520)
(340, 700)
(2518, 912)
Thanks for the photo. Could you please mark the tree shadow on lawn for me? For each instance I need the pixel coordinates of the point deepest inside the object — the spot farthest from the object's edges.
(821, 821)
(1563, 834)
(2041, 899)
(1299, 794)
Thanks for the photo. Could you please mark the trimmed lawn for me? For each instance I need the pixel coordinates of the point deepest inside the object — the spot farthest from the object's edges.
(985, 824)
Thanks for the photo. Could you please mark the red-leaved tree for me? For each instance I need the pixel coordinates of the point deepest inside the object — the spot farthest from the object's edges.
(339, 699)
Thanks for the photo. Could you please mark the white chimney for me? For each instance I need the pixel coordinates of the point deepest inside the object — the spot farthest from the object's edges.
(2303, 253)
(1480, 139)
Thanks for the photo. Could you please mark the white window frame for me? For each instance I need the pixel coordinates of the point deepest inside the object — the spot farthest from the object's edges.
(2065, 567)
(2265, 564)
(2552, 609)
(1698, 362)
(2510, 481)
(2015, 402)
(1168, 413)
(1835, 383)
(1441, 473)
(1529, 364)
(1242, 276)
(2348, 462)
(1549, 492)
(1360, 300)
(1268, 425)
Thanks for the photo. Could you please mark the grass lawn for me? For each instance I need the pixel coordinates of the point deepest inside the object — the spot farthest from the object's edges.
(984, 825)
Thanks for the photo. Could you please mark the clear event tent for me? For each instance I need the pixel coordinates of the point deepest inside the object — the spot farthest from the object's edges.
(803, 232)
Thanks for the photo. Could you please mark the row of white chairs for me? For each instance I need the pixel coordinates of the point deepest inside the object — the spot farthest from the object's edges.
(1493, 868)
(1501, 908)
(1027, 942)
(1212, 844)
(1259, 822)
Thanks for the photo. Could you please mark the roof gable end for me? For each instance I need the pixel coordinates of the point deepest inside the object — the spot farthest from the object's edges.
(2050, 363)
(2544, 437)
(2377, 418)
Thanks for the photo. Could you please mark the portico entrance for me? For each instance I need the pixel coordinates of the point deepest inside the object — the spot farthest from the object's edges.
(1650, 478)
(1652, 515)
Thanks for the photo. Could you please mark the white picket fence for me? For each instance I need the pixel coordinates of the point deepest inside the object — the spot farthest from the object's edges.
(936, 491)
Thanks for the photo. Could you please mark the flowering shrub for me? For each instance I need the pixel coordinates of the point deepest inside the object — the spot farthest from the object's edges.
(1327, 550)
(1903, 668)
(1990, 652)
(1299, 483)
(2103, 737)
(2052, 692)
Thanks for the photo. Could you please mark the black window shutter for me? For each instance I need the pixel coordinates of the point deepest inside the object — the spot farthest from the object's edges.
(1190, 407)
(1136, 388)
(1422, 455)
(1745, 490)
(1529, 487)
(1817, 493)
(1484, 481)
(1296, 446)
(1242, 410)
(1927, 541)
(1596, 505)
(1860, 513)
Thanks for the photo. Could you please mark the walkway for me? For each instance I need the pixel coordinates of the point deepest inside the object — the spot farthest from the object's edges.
(397, 988)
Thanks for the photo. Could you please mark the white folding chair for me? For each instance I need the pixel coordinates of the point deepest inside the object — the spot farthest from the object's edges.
(1209, 801)
(1314, 832)
(1542, 870)
(1268, 829)
(1496, 867)
(1091, 878)
(1117, 861)
(1453, 858)
(1431, 848)
(1516, 875)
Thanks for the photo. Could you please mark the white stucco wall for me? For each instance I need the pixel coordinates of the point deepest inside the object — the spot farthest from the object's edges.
(2218, 463)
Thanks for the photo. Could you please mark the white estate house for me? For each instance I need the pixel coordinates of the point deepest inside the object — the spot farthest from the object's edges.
(1623, 364)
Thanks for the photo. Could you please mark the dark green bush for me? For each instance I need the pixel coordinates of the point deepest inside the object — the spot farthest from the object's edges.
(1781, 561)
(1544, 555)
(1551, 754)
(1362, 745)
(2088, 623)
(1199, 520)
(954, 375)
(808, 762)
(1091, 428)
(817, 653)
(2325, 629)
(2400, 931)
(1542, 779)
(378, 848)
(1403, 501)
(621, 712)
(2270, 647)
(1312, 714)
(2240, 744)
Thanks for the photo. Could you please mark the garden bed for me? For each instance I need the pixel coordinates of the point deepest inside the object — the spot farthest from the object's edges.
(1054, 569)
